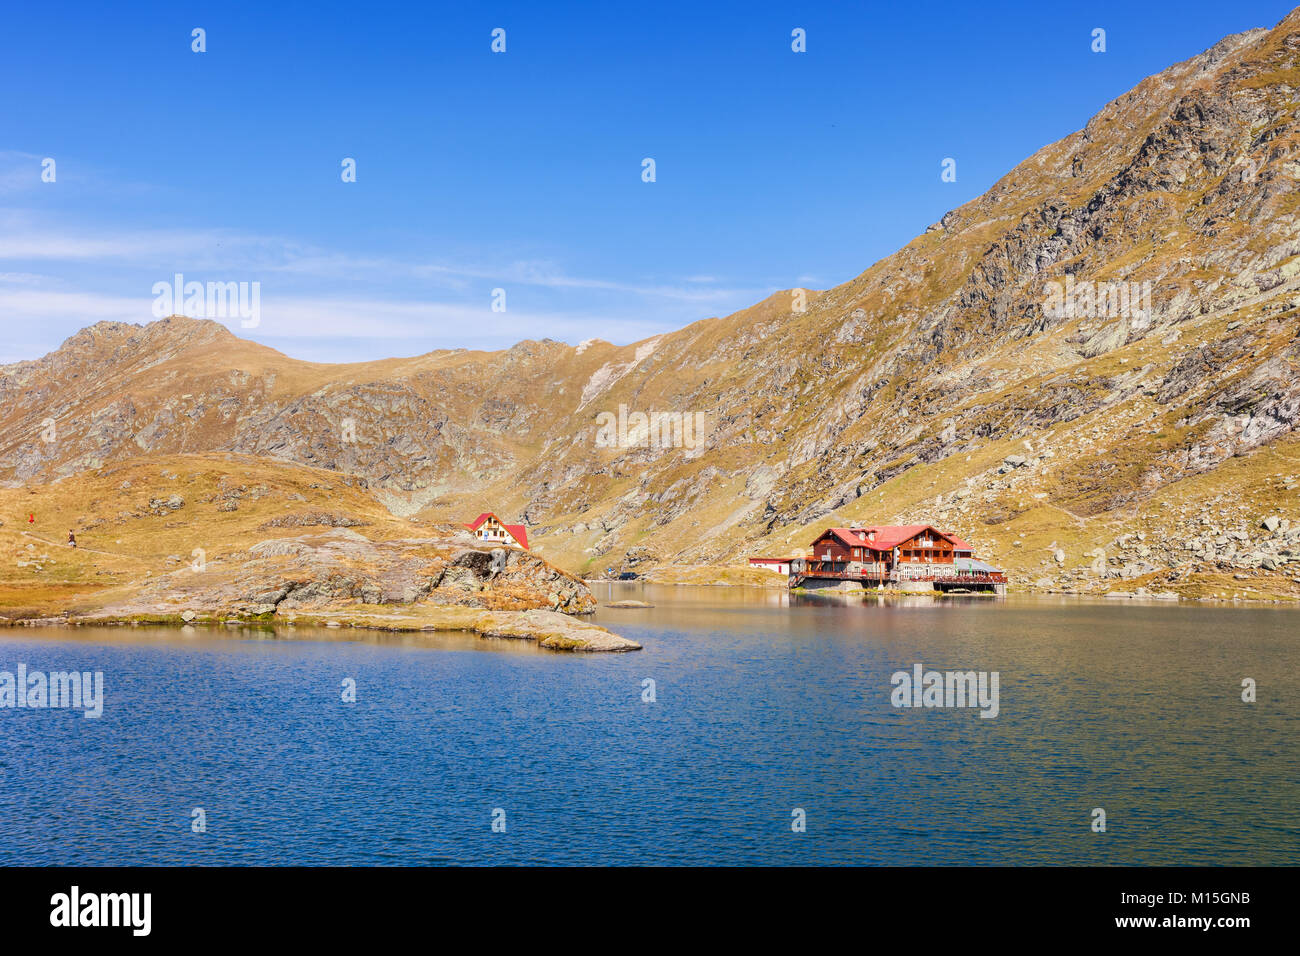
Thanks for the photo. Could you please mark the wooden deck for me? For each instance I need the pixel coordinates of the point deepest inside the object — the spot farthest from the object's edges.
(943, 579)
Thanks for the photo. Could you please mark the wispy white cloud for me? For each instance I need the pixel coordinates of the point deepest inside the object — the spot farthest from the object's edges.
(23, 172)
(333, 303)
(33, 304)
(22, 278)
(546, 274)
(24, 240)
(326, 328)
(19, 171)
(342, 318)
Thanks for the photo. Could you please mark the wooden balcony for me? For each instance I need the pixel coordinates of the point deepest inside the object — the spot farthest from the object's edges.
(943, 574)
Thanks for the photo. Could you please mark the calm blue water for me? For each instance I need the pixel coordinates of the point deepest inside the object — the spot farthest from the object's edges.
(761, 707)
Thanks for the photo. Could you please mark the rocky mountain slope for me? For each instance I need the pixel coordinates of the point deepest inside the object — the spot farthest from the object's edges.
(1089, 372)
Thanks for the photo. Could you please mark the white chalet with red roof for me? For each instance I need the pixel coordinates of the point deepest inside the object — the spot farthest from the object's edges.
(490, 529)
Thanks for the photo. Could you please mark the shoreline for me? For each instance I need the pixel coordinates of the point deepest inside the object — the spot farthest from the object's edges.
(1022, 590)
(548, 629)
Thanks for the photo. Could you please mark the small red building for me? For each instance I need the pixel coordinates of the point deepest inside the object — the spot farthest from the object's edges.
(489, 528)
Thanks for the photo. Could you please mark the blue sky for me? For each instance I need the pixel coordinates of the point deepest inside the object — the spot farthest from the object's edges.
(519, 170)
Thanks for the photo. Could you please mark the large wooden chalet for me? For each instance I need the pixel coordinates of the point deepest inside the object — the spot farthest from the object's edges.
(913, 557)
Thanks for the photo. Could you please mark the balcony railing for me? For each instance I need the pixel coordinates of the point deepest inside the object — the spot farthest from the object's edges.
(839, 570)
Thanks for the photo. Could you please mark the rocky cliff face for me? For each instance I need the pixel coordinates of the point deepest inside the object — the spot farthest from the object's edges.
(1120, 312)
(341, 567)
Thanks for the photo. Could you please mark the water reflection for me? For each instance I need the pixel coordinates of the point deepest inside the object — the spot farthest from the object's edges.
(764, 702)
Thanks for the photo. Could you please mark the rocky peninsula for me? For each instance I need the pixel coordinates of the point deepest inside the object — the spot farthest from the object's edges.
(214, 539)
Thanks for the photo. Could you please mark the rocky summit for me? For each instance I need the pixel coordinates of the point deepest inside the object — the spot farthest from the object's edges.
(1089, 372)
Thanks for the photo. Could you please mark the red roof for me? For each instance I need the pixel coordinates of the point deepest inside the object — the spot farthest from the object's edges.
(517, 531)
(849, 536)
(889, 536)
